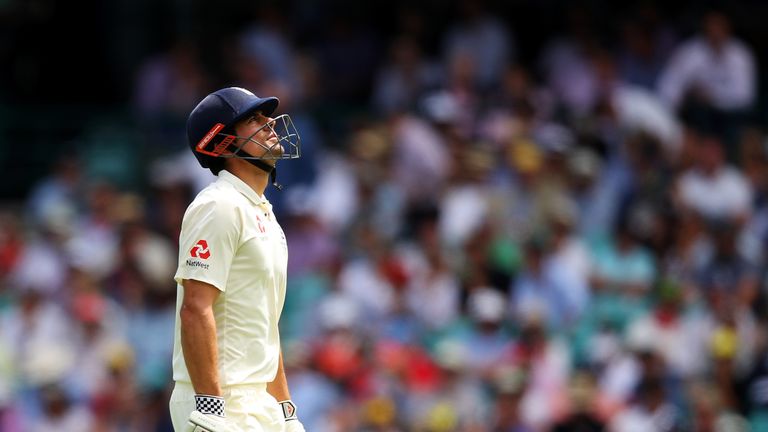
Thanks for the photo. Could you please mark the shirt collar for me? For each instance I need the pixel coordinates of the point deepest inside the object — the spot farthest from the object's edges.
(243, 188)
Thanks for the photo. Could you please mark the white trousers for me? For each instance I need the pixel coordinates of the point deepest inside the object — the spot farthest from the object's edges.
(248, 408)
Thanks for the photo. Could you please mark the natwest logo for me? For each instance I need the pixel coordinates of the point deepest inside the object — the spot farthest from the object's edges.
(200, 250)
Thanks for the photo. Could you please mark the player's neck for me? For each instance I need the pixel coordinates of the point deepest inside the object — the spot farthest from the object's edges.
(253, 176)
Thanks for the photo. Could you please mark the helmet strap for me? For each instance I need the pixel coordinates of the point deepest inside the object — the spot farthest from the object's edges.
(269, 169)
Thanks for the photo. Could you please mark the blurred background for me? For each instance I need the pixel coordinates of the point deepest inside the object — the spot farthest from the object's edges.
(509, 215)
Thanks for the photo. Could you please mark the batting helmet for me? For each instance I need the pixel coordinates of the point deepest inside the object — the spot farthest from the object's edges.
(210, 129)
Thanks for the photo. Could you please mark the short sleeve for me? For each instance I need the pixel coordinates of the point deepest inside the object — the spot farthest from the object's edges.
(210, 235)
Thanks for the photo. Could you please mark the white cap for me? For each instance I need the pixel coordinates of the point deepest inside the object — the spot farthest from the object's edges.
(486, 305)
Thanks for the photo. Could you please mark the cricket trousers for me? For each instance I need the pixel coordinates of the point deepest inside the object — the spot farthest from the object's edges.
(248, 408)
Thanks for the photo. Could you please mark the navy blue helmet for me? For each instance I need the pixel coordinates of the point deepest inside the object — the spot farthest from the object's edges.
(211, 133)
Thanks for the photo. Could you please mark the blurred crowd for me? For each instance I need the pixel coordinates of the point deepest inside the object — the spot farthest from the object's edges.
(573, 243)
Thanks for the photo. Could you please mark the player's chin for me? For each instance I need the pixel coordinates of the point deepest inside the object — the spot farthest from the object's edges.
(276, 151)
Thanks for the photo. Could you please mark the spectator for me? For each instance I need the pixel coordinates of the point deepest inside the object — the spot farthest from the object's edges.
(169, 83)
(679, 338)
(265, 43)
(570, 253)
(753, 400)
(521, 199)
(33, 325)
(566, 65)
(485, 41)
(548, 287)
(582, 416)
(651, 411)
(633, 109)
(425, 163)
(464, 205)
(403, 81)
(457, 388)
(595, 186)
(117, 402)
(646, 43)
(727, 276)
(93, 245)
(714, 189)
(486, 341)
(688, 252)
(340, 35)
(56, 196)
(433, 279)
(60, 413)
(714, 68)
(709, 412)
(99, 330)
(545, 360)
(622, 265)
(508, 389)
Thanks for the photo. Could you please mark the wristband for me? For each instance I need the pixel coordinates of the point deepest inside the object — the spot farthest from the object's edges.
(207, 404)
(289, 410)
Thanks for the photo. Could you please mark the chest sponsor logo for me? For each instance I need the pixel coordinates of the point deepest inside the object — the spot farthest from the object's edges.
(200, 250)
(260, 224)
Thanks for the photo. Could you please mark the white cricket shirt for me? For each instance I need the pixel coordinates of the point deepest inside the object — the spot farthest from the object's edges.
(231, 240)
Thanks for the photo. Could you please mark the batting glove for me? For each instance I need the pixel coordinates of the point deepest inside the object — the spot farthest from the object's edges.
(208, 415)
(292, 423)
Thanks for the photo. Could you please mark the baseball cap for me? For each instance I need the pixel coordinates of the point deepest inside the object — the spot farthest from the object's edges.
(220, 111)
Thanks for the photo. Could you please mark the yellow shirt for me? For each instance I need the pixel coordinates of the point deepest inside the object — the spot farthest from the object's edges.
(231, 240)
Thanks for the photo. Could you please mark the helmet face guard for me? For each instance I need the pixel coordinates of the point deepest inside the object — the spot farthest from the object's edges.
(288, 144)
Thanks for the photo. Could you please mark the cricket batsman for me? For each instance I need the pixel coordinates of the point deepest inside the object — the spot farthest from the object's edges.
(227, 361)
